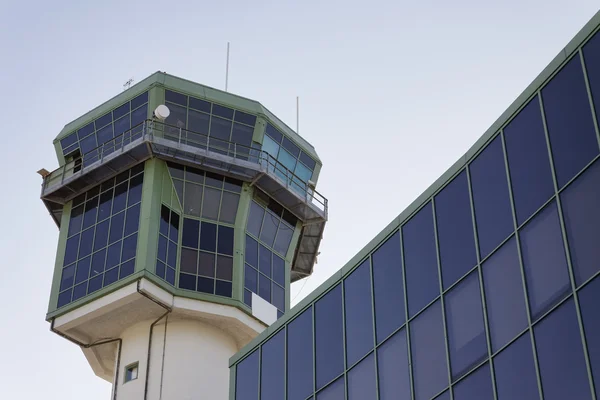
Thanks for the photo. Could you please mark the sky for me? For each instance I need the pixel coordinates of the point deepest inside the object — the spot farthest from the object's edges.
(392, 93)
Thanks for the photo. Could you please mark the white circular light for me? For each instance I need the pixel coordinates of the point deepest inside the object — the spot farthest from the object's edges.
(162, 112)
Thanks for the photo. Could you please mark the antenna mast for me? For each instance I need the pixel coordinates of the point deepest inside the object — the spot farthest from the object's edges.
(227, 68)
(298, 114)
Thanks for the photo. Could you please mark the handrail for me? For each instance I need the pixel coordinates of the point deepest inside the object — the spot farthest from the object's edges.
(149, 129)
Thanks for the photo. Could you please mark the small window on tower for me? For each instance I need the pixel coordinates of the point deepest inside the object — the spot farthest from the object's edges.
(131, 372)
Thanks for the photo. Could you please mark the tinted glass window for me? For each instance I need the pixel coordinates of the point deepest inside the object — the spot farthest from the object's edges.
(246, 378)
(544, 261)
(393, 369)
(505, 300)
(478, 386)
(528, 161)
(589, 298)
(273, 368)
(455, 230)
(420, 260)
(361, 380)
(582, 222)
(335, 391)
(328, 336)
(560, 355)
(300, 357)
(515, 371)
(464, 319)
(430, 373)
(493, 213)
(359, 313)
(255, 219)
(569, 120)
(388, 287)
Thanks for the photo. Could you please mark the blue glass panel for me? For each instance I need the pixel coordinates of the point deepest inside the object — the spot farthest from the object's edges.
(67, 278)
(103, 121)
(198, 104)
(251, 255)
(359, 313)
(88, 144)
(198, 122)
(307, 160)
(126, 269)
(444, 396)
(174, 226)
(329, 337)
(225, 240)
(582, 222)
(120, 198)
(283, 239)
(86, 130)
(162, 248)
(255, 219)
(208, 236)
(303, 172)
(121, 125)
(133, 219)
(83, 270)
(505, 299)
(560, 355)
(273, 368)
(95, 283)
(464, 318)
(528, 161)
(98, 262)
(430, 370)
(68, 141)
(361, 380)
(569, 120)
(175, 97)
(300, 356)
(187, 282)
(172, 254)
(544, 261)
(91, 210)
(273, 133)
(291, 147)
(515, 371)
(105, 205)
(264, 260)
(71, 250)
(120, 111)
(455, 230)
(113, 255)
(160, 269)
(191, 233)
(288, 160)
(393, 368)
(170, 276)
(116, 227)
(222, 111)
(420, 260)
(64, 298)
(388, 287)
(242, 134)
(139, 100)
(105, 134)
(206, 285)
(85, 243)
(129, 247)
(279, 270)
(477, 386)
(245, 118)
(269, 228)
(589, 298)
(246, 378)
(75, 220)
(135, 190)
(264, 287)
(335, 391)
(489, 183)
(137, 117)
(79, 291)
(278, 296)
(270, 146)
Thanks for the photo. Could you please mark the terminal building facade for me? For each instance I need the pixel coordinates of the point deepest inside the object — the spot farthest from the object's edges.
(186, 212)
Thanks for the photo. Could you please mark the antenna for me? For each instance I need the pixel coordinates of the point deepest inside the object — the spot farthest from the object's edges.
(298, 114)
(127, 84)
(227, 68)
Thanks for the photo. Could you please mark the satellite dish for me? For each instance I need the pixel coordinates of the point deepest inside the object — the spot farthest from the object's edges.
(162, 112)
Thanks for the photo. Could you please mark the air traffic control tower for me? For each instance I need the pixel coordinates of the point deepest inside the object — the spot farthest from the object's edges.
(185, 213)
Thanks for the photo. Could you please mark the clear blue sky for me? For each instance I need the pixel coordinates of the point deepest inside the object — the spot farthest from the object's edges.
(392, 93)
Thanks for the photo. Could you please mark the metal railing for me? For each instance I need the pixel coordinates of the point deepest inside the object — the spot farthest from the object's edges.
(150, 129)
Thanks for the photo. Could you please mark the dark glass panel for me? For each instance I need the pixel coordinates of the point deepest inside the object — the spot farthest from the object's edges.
(206, 264)
(120, 198)
(98, 262)
(225, 242)
(361, 380)
(126, 269)
(493, 213)
(176, 123)
(273, 368)
(283, 239)
(137, 169)
(71, 250)
(544, 261)
(569, 121)
(464, 318)
(307, 160)
(255, 219)
(241, 135)
(289, 218)
(105, 134)
(78, 200)
(91, 210)
(455, 230)
(359, 313)
(444, 396)
(191, 232)
(582, 222)
(176, 170)
(135, 189)
(278, 296)
(278, 270)
(68, 141)
(208, 236)
(95, 283)
(139, 100)
(329, 337)
(515, 371)
(197, 122)
(223, 288)
(194, 175)
(233, 185)
(393, 368)
(220, 131)
(192, 200)
(122, 177)
(291, 147)
(160, 269)
(178, 185)
(176, 98)
(174, 226)
(129, 247)
(388, 287)
(251, 255)
(187, 281)
(206, 285)
(164, 221)
(245, 118)
(274, 133)
(133, 219)
(64, 298)
(247, 378)
(103, 120)
(79, 291)
(113, 255)
(430, 371)
(189, 261)
(198, 104)
(250, 278)
(211, 203)
(222, 111)
(83, 270)
(162, 248)
(88, 144)
(420, 260)
(85, 243)
(170, 276)
(335, 391)
(269, 228)
(66, 280)
(116, 227)
(528, 161)
(264, 287)
(229, 206)
(75, 220)
(300, 356)
(121, 125)
(478, 386)
(505, 300)
(264, 260)
(560, 355)
(86, 130)
(224, 268)
(589, 298)
(172, 254)
(105, 205)
(214, 180)
(120, 111)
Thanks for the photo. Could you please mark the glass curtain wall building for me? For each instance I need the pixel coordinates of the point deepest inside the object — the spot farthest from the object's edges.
(486, 287)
